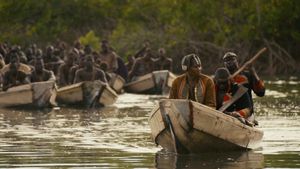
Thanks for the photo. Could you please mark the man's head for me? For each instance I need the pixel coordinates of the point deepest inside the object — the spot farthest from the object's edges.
(222, 80)
(39, 53)
(105, 45)
(230, 62)
(88, 49)
(161, 52)
(49, 50)
(77, 44)
(103, 66)
(192, 64)
(89, 61)
(81, 60)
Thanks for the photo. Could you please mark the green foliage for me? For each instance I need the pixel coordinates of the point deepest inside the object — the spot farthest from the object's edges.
(173, 24)
(90, 39)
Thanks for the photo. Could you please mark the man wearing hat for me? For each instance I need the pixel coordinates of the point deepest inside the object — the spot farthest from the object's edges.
(194, 85)
(248, 78)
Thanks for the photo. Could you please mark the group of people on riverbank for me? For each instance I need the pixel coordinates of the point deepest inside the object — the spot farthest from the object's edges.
(231, 95)
(74, 64)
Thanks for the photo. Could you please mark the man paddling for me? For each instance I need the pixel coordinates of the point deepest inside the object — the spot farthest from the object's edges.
(194, 85)
(232, 95)
(249, 78)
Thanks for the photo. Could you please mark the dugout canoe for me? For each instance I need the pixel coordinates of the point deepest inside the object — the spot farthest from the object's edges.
(157, 82)
(116, 82)
(184, 126)
(87, 93)
(38, 94)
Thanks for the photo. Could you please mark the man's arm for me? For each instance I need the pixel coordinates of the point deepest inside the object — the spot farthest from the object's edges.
(77, 78)
(101, 76)
(257, 85)
(114, 62)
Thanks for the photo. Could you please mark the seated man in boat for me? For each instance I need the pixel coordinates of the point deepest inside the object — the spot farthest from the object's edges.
(81, 61)
(122, 69)
(162, 62)
(52, 59)
(194, 85)
(39, 73)
(231, 98)
(248, 78)
(15, 75)
(142, 66)
(63, 71)
(89, 72)
(108, 56)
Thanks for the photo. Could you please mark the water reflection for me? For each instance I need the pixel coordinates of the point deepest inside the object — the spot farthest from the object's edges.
(232, 160)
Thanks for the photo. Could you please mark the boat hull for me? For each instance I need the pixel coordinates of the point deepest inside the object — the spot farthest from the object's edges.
(39, 94)
(196, 128)
(157, 82)
(87, 93)
(116, 82)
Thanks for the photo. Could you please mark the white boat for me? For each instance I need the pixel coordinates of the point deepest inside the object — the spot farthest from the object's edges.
(157, 82)
(184, 126)
(116, 82)
(87, 93)
(38, 94)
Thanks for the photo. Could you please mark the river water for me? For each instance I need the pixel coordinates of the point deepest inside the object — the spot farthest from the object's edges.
(119, 136)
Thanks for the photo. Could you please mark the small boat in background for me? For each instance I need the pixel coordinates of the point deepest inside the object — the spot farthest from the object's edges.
(38, 94)
(116, 82)
(88, 93)
(184, 126)
(157, 82)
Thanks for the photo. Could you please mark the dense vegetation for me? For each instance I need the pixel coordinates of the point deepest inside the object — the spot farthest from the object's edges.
(206, 27)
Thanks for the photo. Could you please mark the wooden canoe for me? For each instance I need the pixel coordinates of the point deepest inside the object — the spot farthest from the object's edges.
(87, 93)
(116, 82)
(185, 126)
(38, 94)
(157, 82)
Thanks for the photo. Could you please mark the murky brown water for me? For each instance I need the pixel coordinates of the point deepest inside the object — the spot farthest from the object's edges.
(119, 136)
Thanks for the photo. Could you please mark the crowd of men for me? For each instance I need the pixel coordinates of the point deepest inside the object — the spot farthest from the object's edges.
(74, 64)
(82, 63)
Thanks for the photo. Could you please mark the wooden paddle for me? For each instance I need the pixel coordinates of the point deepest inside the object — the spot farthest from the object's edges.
(249, 62)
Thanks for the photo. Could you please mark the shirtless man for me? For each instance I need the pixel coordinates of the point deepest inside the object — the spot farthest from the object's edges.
(63, 71)
(141, 66)
(89, 72)
(39, 73)
(108, 56)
